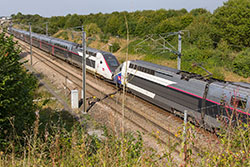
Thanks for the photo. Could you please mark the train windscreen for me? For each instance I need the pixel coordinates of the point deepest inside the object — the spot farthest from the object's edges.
(111, 61)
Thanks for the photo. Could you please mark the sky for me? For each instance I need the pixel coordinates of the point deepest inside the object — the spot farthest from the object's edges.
(49, 8)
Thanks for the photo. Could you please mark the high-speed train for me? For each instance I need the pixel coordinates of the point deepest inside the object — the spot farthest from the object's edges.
(99, 62)
(205, 100)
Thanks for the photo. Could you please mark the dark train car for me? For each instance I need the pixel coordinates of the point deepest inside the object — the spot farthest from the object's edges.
(178, 91)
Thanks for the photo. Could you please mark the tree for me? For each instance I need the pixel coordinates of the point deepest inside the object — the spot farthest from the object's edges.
(232, 21)
(202, 33)
(174, 24)
(144, 26)
(73, 21)
(114, 47)
(16, 92)
(199, 11)
(92, 29)
(113, 24)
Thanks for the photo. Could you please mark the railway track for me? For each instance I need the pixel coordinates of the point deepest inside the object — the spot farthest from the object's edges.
(131, 116)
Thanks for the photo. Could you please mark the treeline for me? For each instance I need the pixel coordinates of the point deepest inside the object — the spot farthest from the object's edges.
(219, 39)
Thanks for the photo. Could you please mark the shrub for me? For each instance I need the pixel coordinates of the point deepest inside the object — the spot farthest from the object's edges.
(92, 29)
(104, 38)
(241, 64)
(114, 47)
(17, 89)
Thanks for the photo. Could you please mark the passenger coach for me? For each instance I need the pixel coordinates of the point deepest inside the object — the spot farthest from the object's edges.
(98, 62)
(205, 100)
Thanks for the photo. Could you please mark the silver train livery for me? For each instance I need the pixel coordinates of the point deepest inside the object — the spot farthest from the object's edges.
(205, 100)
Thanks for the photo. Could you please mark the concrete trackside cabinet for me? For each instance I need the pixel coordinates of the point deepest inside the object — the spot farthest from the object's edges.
(74, 99)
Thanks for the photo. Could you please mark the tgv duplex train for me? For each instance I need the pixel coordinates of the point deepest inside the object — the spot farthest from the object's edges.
(205, 100)
(99, 62)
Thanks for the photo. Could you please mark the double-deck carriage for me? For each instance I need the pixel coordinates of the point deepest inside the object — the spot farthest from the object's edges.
(99, 62)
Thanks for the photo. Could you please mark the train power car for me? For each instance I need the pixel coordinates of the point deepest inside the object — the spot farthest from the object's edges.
(204, 100)
(99, 62)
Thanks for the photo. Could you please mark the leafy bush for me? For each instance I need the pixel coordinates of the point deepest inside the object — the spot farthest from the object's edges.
(16, 92)
(241, 64)
(104, 38)
(114, 47)
(207, 58)
(65, 35)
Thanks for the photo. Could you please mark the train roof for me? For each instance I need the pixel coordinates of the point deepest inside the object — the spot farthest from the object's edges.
(161, 68)
(63, 42)
(59, 41)
(96, 50)
(48, 38)
(89, 49)
(21, 31)
(155, 67)
(242, 84)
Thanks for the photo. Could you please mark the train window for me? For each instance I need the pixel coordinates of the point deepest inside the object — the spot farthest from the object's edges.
(135, 67)
(92, 54)
(238, 102)
(62, 46)
(112, 62)
(131, 65)
(151, 72)
(139, 68)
